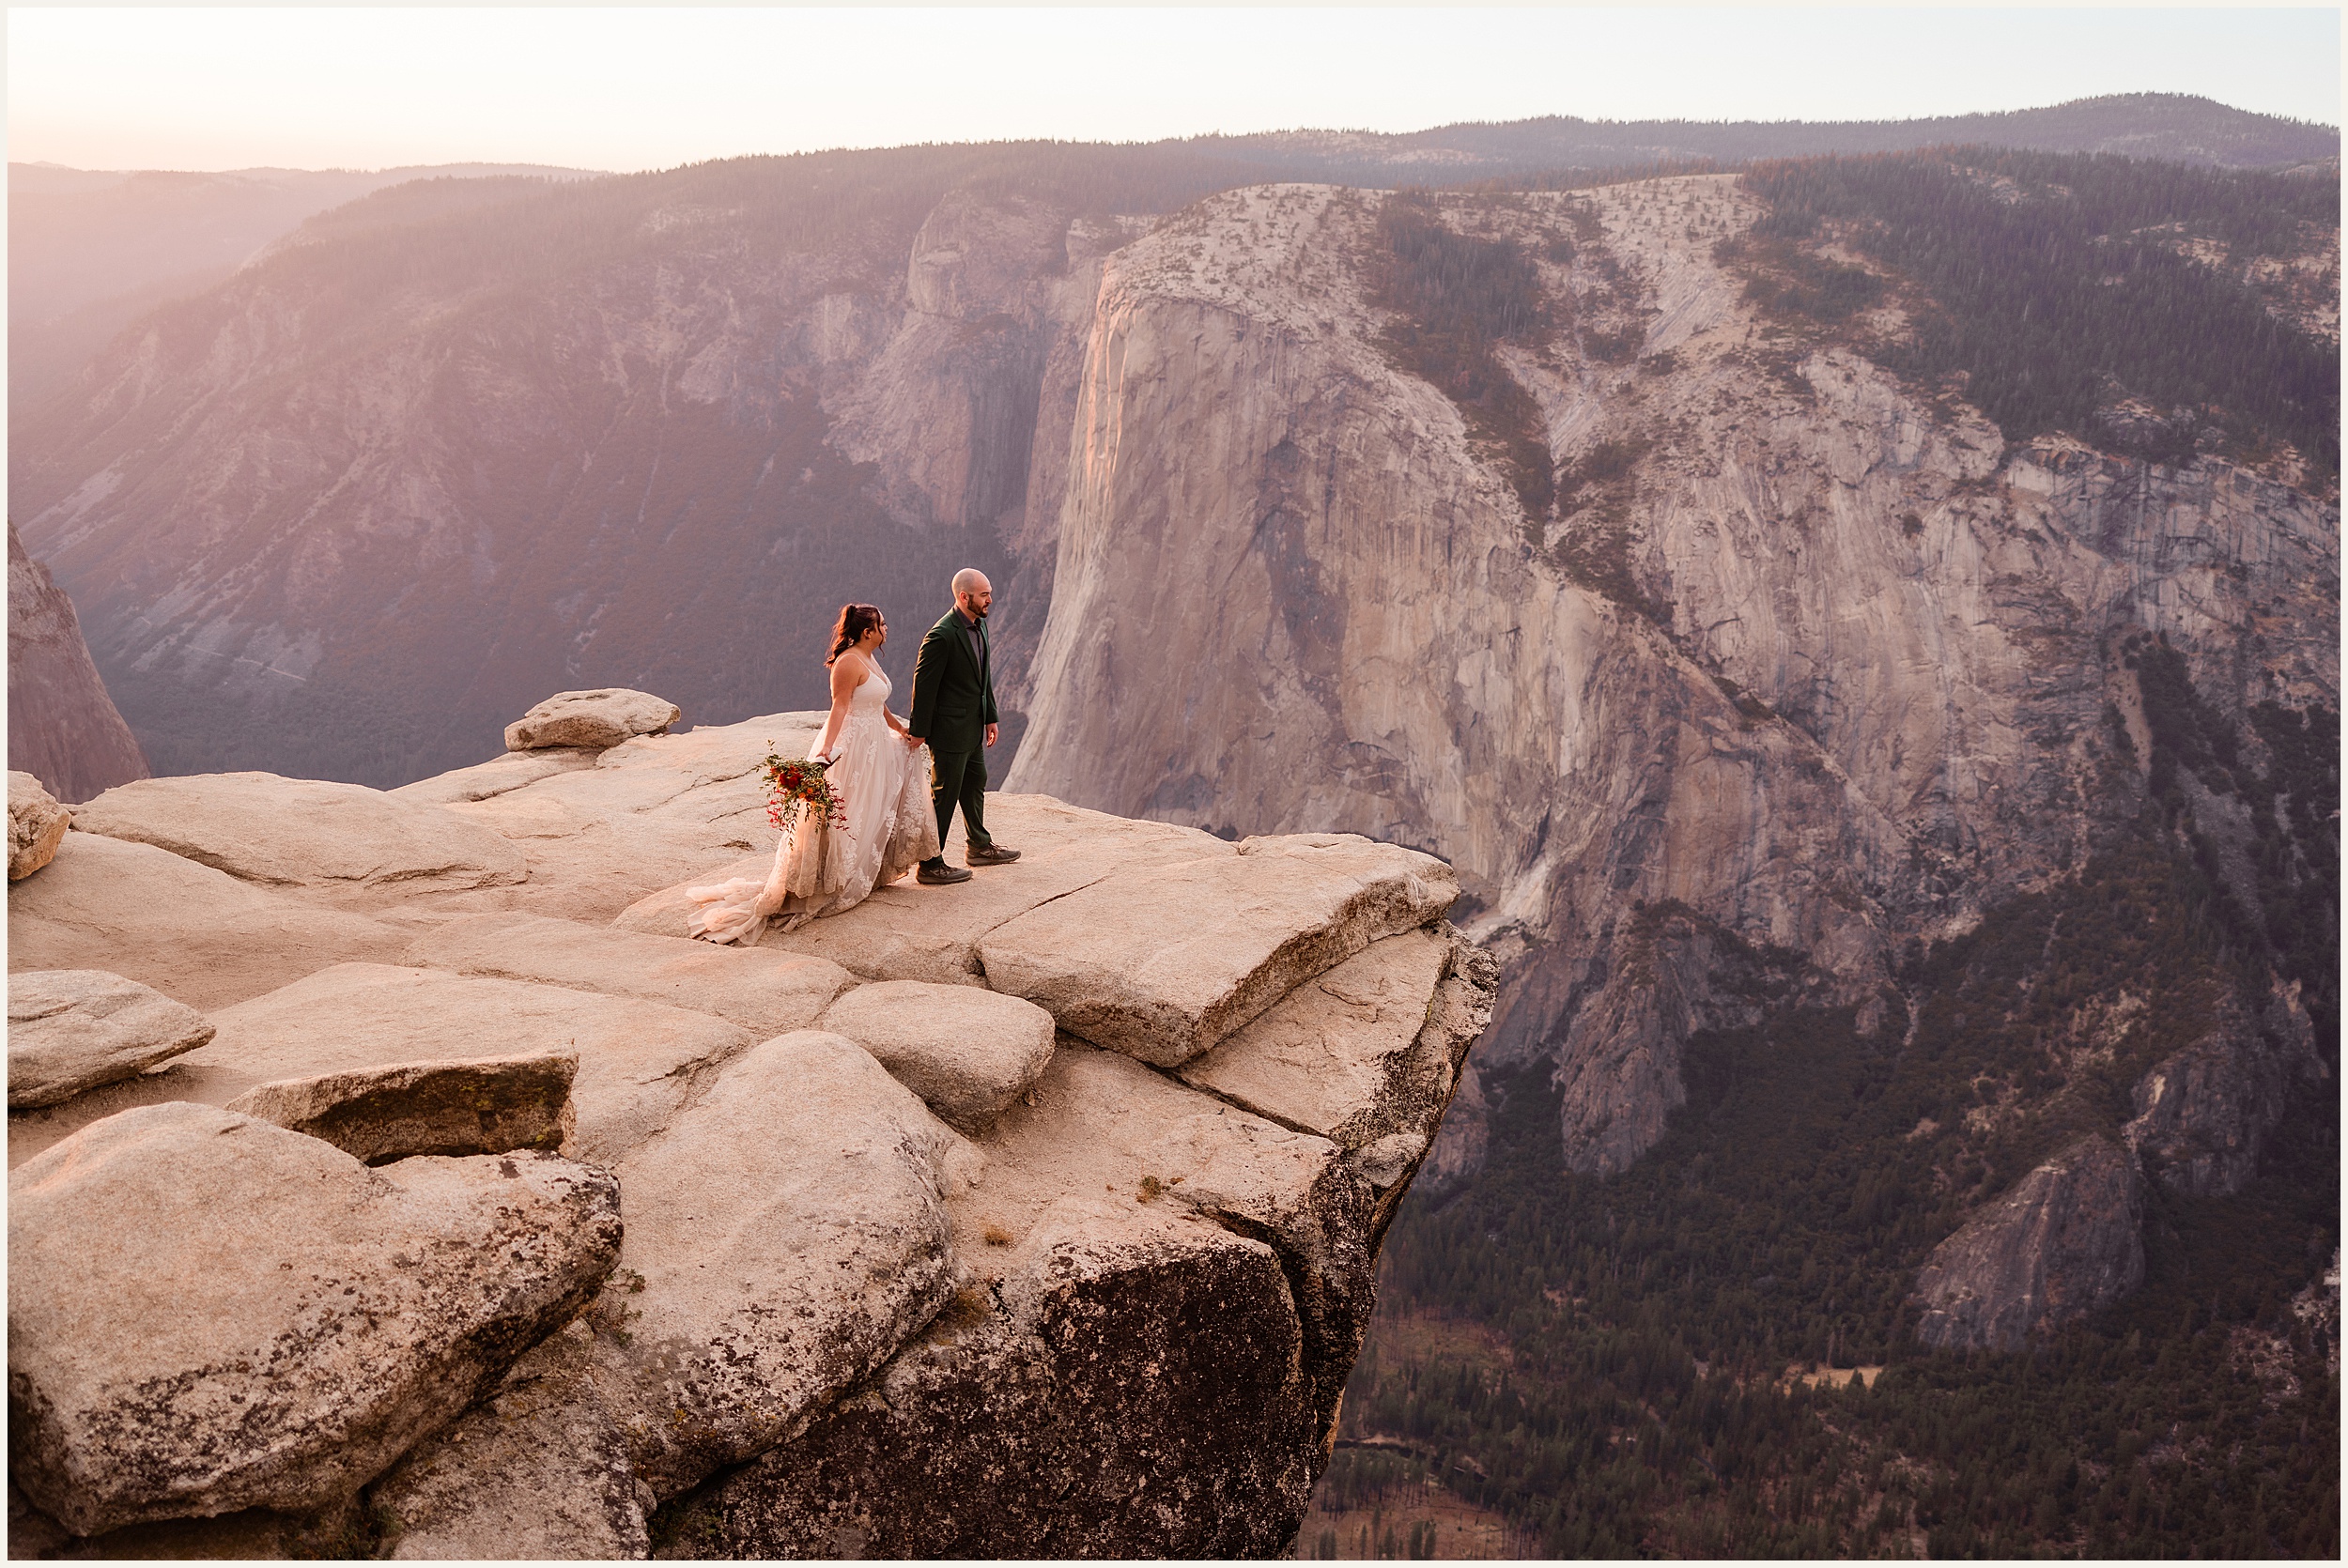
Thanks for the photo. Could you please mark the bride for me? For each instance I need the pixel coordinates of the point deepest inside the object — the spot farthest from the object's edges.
(882, 776)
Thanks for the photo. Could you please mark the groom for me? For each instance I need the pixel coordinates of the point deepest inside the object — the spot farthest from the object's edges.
(953, 709)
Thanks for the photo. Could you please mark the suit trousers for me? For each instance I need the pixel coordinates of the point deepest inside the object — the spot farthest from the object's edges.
(960, 776)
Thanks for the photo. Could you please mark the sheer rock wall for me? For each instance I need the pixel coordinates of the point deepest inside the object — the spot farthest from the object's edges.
(1861, 698)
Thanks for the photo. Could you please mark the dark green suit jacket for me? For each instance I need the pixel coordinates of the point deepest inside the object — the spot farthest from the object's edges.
(953, 694)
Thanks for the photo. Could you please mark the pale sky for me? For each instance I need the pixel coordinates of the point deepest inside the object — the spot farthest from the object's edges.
(636, 88)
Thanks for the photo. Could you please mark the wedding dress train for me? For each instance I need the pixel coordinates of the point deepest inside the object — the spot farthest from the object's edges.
(884, 790)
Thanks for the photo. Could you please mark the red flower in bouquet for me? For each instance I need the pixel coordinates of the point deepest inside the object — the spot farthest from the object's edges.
(801, 782)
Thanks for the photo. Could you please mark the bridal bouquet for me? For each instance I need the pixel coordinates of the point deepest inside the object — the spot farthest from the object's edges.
(801, 782)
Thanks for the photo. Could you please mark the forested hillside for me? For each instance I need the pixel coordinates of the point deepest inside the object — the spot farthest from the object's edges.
(1672, 1335)
(2170, 127)
(91, 250)
(2065, 293)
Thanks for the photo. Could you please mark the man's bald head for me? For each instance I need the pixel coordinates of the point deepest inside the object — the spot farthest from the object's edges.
(973, 594)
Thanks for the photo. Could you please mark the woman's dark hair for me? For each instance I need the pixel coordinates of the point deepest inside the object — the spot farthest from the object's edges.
(855, 621)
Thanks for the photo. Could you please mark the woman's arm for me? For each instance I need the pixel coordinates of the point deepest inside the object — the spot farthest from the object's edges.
(845, 678)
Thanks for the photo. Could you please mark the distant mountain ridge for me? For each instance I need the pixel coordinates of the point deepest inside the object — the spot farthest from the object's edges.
(90, 249)
(2172, 127)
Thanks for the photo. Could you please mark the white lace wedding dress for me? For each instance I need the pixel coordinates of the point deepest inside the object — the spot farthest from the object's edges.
(883, 790)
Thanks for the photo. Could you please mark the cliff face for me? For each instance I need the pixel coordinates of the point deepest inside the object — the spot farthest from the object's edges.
(62, 727)
(1002, 1234)
(1859, 696)
(625, 481)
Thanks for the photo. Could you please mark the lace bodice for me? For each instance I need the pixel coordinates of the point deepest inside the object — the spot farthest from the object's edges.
(868, 700)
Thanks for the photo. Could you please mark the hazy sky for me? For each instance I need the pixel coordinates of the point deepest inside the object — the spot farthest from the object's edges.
(635, 88)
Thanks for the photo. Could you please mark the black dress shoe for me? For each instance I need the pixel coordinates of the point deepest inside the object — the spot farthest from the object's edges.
(992, 855)
(940, 875)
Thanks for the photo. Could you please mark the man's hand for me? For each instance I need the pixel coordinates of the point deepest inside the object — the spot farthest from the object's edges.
(990, 733)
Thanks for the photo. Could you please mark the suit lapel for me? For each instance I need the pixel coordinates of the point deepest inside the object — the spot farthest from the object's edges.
(961, 633)
(953, 627)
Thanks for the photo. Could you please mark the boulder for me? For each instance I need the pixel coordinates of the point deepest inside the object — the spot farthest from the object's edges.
(536, 1470)
(2065, 1241)
(193, 934)
(37, 825)
(596, 719)
(207, 1313)
(307, 833)
(1164, 963)
(767, 993)
(73, 1029)
(638, 1061)
(784, 1235)
(907, 931)
(377, 1115)
(967, 1053)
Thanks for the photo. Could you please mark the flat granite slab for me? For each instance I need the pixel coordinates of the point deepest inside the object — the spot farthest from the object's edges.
(1163, 962)
(638, 1061)
(766, 991)
(194, 934)
(907, 931)
(1326, 1057)
(345, 840)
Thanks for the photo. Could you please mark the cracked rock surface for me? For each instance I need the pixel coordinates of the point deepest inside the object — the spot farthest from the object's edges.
(849, 1246)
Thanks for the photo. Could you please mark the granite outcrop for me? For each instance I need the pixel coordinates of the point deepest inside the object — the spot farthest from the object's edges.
(2065, 1241)
(582, 1238)
(62, 727)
